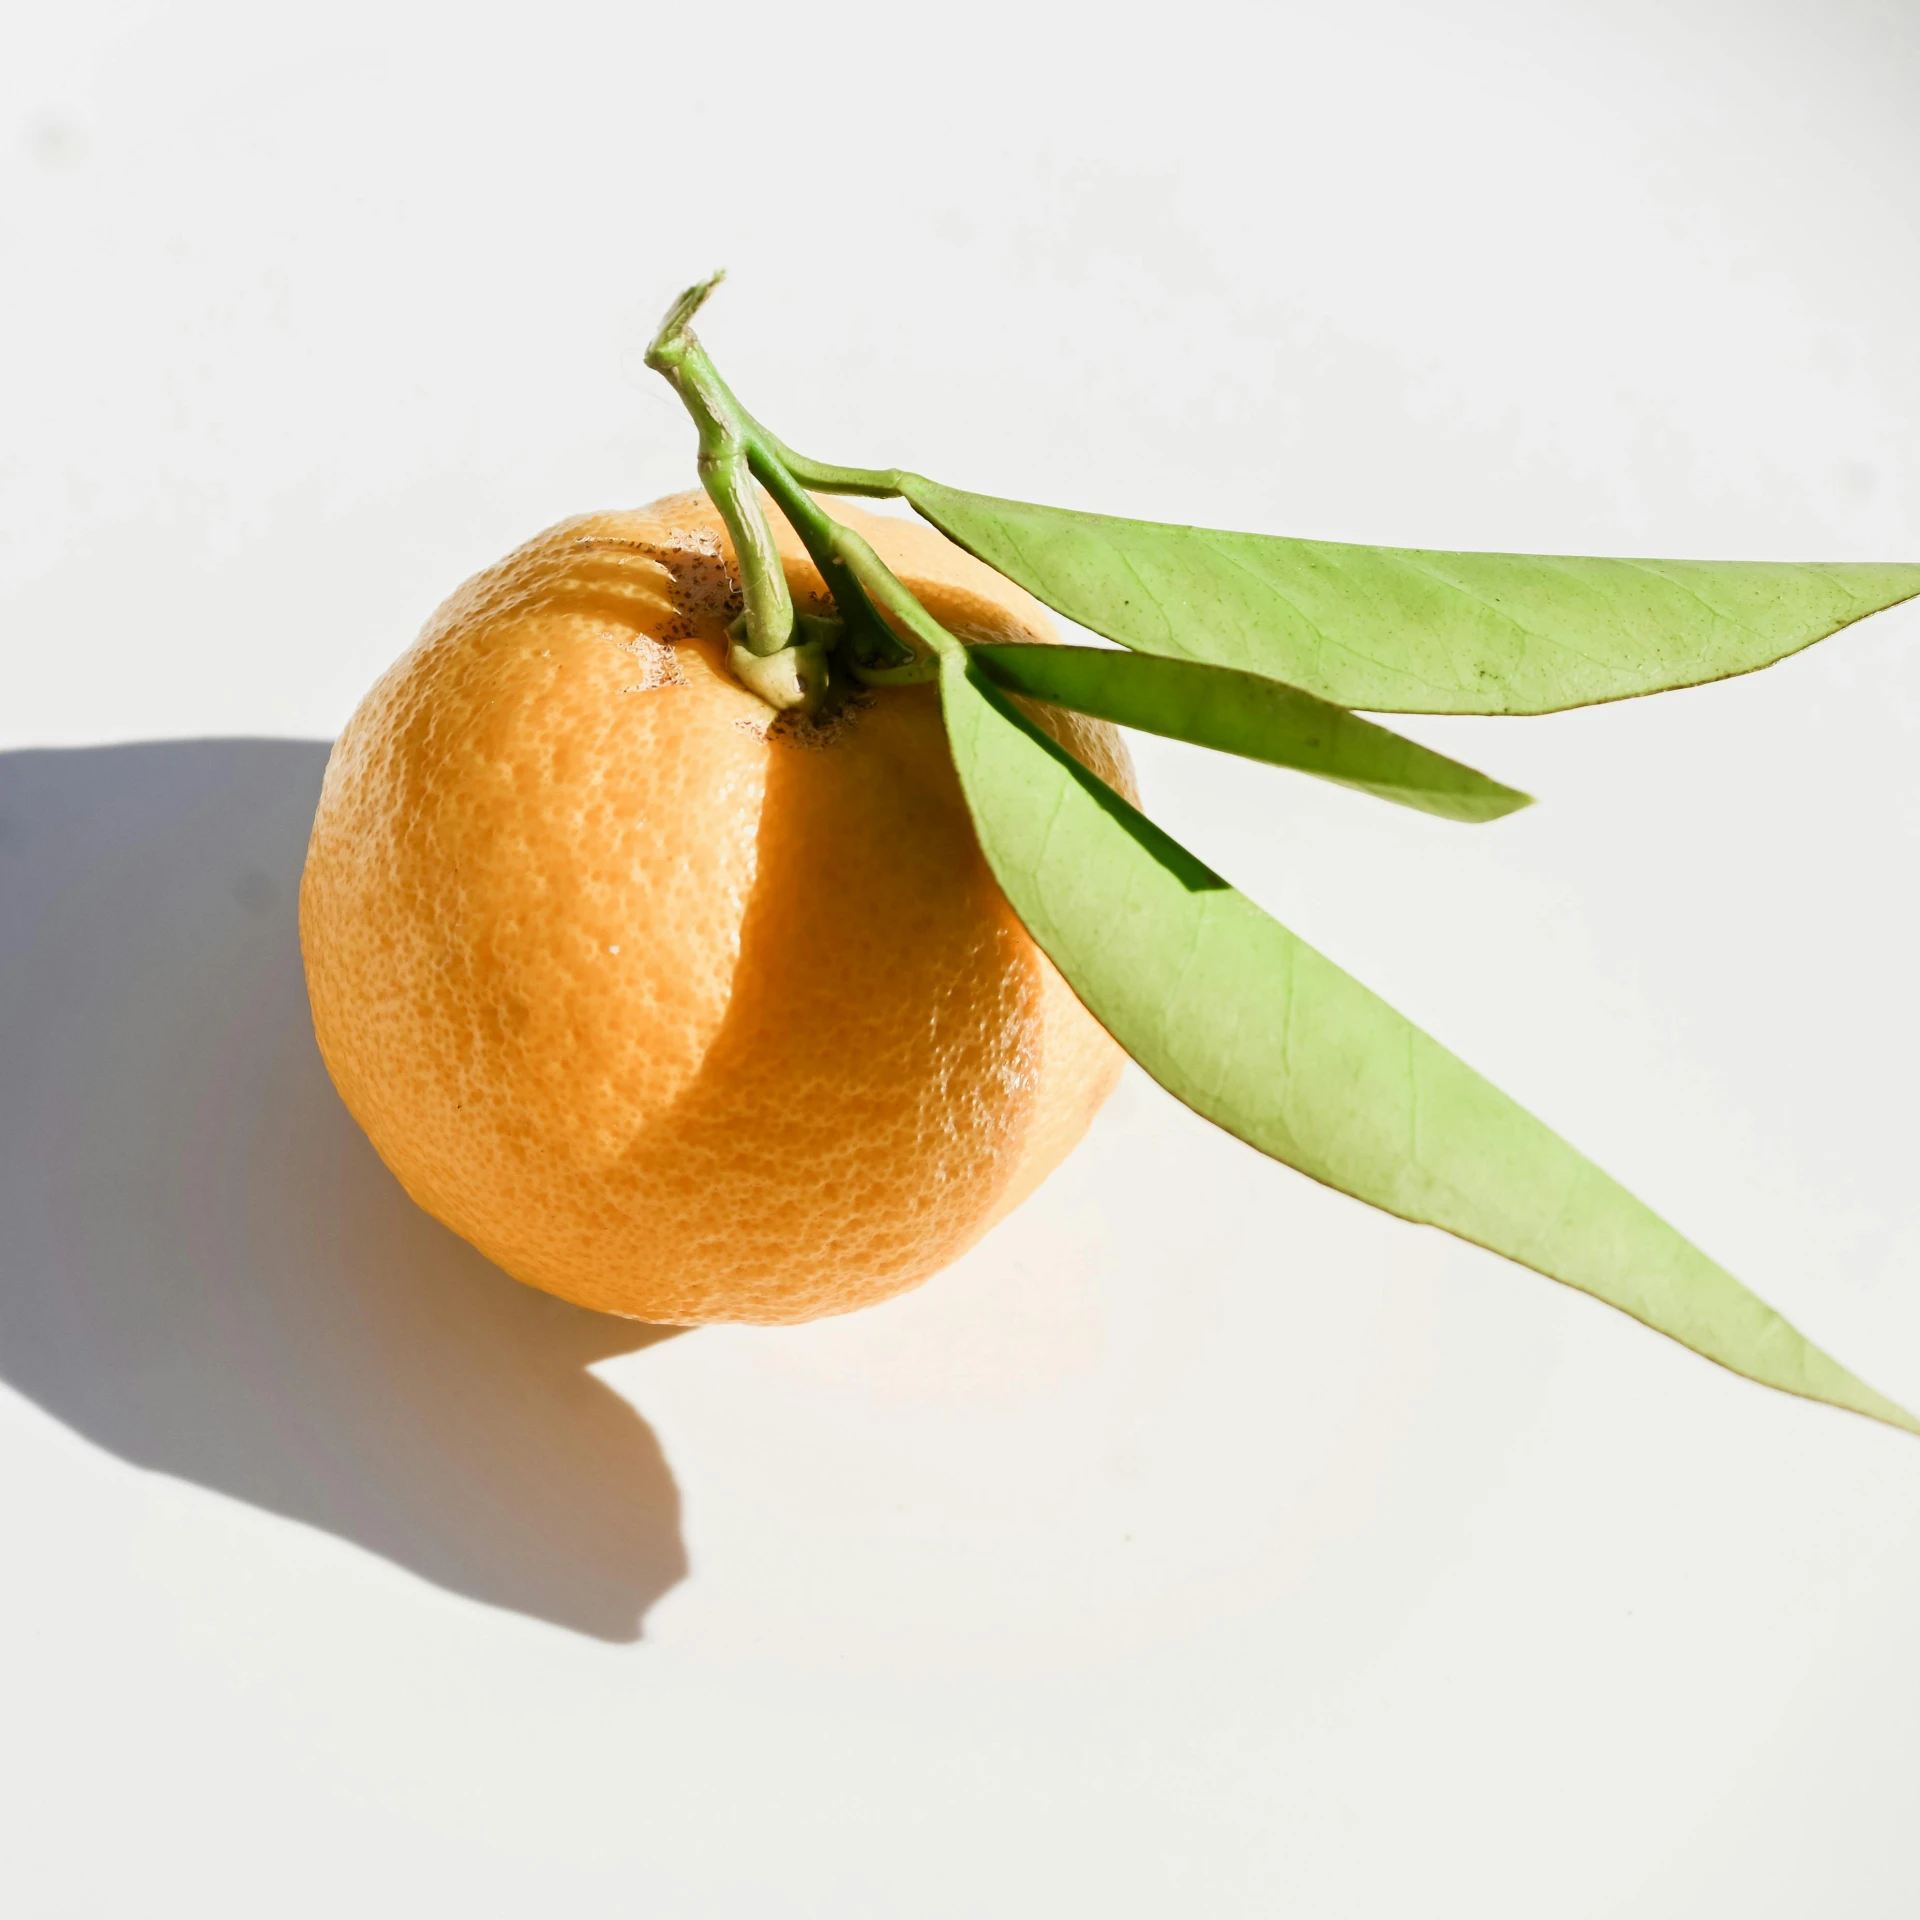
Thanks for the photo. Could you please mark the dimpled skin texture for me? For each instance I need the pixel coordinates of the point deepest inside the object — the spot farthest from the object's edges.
(669, 1011)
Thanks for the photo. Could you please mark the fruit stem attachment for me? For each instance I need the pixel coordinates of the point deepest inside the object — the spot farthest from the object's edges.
(736, 450)
(855, 574)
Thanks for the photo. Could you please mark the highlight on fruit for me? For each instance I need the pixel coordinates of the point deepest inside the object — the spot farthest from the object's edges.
(730, 910)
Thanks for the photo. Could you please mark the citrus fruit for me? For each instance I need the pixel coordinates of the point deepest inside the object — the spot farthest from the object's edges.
(670, 1007)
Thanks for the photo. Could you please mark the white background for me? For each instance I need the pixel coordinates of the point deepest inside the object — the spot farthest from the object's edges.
(1202, 1543)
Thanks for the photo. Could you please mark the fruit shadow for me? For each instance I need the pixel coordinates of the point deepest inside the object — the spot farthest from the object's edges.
(205, 1269)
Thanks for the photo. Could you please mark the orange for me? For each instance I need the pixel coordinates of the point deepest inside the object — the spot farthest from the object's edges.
(669, 1008)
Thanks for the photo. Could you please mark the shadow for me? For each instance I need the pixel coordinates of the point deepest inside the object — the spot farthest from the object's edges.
(773, 1089)
(203, 1266)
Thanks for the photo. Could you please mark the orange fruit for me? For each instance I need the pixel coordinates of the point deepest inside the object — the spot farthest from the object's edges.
(669, 1008)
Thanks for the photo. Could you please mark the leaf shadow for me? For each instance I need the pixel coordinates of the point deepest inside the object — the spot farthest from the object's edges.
(207, 1271)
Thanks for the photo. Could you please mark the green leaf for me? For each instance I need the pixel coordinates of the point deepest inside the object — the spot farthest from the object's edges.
(1255, 1030)
(1246, 714)
(1401, 631)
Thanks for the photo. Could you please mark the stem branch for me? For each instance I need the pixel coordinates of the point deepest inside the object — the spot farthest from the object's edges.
(876, 483)
(725, 471)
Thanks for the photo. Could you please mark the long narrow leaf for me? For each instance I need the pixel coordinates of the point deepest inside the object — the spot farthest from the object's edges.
(1397, 630)
(1247, 714)
(1255, 1030)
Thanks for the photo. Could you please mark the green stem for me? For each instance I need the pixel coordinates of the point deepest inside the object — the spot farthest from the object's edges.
(729, 483)
(825, 540)
(854, 573)
(875, 483)
(859, 580)
(725, 471)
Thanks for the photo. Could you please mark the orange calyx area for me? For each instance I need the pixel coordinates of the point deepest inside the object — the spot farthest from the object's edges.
(670, 1008)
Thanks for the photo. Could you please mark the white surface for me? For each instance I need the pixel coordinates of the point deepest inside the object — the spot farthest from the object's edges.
(1203, 1543)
